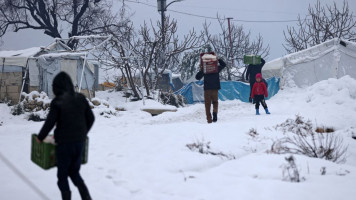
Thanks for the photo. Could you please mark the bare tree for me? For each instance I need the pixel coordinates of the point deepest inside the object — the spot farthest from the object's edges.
(74, 17)
(240, 45)
(326, 22)
(173, 47)
(148, 49)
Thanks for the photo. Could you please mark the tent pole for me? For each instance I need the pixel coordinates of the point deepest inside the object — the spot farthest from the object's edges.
(23, 81)
(85, 77)
(81, 77)
(2, 72)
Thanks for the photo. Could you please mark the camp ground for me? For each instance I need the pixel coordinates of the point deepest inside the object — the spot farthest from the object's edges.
(332, 59)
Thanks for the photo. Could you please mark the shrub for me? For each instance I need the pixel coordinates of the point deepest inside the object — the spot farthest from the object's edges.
(35, 117)
(17, 109)
(171, 99)
(304, 140)
(204, 148)
(253, 132)
(290, 170)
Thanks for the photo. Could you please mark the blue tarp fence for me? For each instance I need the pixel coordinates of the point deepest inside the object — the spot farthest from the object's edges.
(230, 90)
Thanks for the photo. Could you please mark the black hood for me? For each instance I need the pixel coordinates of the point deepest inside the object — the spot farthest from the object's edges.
(62, 84)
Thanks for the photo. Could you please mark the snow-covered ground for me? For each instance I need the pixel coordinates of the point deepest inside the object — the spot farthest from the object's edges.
(135, 156)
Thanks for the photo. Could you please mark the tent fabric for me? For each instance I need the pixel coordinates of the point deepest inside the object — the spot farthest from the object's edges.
(230, 90)
(332, 59)
(33, 72)
(71, 68)
(18, 57)
(10, 69)
(48, 68)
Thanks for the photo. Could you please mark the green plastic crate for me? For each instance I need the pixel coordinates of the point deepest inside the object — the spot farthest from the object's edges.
(252, 59)
(44, 154)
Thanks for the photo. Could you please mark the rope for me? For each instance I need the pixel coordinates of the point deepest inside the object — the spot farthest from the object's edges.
(23, 177)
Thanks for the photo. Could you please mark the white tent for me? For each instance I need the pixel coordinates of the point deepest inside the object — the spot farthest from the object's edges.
(39, 65)
(332, 59)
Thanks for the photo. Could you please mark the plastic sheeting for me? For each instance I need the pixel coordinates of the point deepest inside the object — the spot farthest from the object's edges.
(230, 90)
(18, 57)
(48, 68)
(70, 67)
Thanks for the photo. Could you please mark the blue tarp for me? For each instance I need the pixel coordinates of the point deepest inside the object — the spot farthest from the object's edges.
(230, 90)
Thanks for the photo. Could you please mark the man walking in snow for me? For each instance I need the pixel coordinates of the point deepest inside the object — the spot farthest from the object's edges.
(211, 88)
(71, 114)
(252, 71)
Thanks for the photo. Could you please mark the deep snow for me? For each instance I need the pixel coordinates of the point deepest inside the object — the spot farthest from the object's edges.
(136, 156)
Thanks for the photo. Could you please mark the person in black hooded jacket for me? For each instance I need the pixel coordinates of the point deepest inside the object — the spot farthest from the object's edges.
(252, 71)
(71, 113)
(211, 89)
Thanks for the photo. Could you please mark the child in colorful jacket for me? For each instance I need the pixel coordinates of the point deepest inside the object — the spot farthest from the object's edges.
(259, 92)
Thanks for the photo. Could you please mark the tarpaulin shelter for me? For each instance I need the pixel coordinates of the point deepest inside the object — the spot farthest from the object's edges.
(230, 90)
(35, 68)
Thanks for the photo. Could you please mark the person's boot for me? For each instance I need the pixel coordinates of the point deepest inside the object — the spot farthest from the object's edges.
(66, 195)
(267, 112)
(215, 116)
(84, 192)
(257, 112)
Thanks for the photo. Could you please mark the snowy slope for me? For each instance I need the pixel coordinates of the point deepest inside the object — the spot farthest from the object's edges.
(136, 156)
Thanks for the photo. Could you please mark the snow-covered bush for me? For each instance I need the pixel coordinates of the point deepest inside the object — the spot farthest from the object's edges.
(35, 117)
(17, 109)
(290, 170)
(204, 148)
(304, 140)
(253, 132)
(172, 99)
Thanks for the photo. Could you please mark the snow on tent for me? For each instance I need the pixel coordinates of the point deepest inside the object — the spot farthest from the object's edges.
(230, 90)
(332, 59)
(38, 66)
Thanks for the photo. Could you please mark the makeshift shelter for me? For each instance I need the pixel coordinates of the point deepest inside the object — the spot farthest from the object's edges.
(34, 69)
(230, 90)
(332, 59)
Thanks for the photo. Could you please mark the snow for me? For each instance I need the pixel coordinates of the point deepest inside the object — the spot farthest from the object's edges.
(20, 53)
(135, 156)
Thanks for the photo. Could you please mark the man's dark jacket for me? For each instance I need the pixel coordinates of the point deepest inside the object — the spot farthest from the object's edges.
(71, 114)
(211, 81)
(252, 70)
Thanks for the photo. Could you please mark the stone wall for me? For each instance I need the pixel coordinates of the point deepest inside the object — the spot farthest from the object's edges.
(11, 83)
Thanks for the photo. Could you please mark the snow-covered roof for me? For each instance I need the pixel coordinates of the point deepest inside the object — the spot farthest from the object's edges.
(311, 54)
(18, 57)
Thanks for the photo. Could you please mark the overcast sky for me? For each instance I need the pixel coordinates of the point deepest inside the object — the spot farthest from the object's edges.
(250, 10)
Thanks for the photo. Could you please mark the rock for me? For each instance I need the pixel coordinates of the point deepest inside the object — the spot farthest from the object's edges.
(39, 103)
(34, 96)
(31, 106)
(120, 109)
(96, 102)
(106, 104)
(45, 106)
